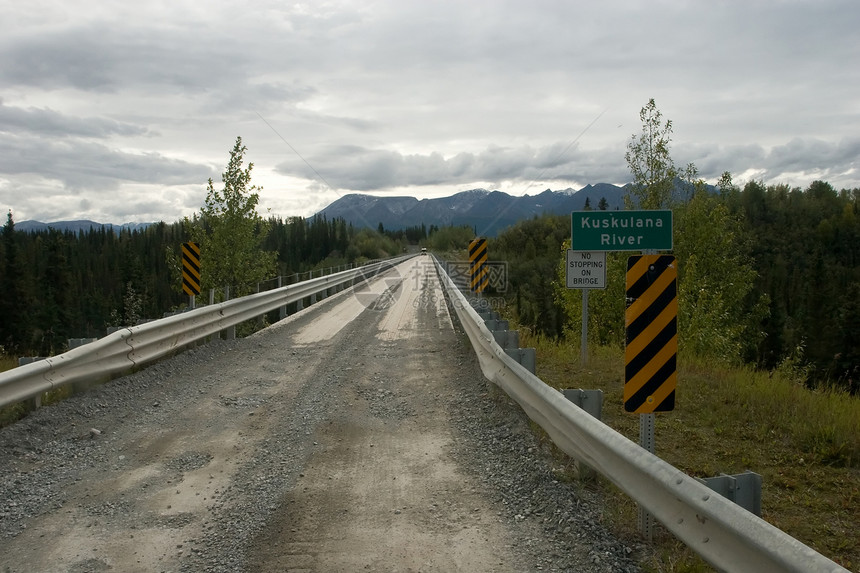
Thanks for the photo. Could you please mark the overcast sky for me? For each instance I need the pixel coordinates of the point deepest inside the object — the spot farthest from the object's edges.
(121, 111)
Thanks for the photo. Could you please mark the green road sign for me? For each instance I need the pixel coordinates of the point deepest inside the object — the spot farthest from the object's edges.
(621, 230)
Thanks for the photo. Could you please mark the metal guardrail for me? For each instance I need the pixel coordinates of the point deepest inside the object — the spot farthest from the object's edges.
(724, 534)
(134, 346)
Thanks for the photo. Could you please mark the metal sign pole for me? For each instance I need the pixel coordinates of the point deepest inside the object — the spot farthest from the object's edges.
(584, 350)
(647, 440)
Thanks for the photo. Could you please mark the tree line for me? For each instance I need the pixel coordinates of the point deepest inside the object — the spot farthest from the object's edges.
(58, 285)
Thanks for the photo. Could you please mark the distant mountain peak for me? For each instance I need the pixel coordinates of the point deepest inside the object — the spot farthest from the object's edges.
(487, 211)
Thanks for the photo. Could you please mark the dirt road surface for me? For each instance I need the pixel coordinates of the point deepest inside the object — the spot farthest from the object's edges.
(336, 440)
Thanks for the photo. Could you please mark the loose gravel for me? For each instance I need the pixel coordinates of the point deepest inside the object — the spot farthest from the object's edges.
(552, 518)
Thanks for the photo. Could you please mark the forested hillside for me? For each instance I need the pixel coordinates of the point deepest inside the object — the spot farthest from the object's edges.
(767, 274)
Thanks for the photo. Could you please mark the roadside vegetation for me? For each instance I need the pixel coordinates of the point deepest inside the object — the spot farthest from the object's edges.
(769, 341)
(766, 274)
(729, 419)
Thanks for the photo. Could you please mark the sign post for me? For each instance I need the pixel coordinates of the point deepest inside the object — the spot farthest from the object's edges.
(651, 349)
(585, 271)
(651, 317)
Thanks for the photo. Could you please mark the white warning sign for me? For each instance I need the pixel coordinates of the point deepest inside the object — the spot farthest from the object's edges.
(586, 269)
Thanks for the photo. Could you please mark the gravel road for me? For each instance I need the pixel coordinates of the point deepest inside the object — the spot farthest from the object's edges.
(356, 435)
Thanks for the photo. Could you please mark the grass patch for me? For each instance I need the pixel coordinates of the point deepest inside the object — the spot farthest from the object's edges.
(805, 444)
(13, 412)
(7, 362)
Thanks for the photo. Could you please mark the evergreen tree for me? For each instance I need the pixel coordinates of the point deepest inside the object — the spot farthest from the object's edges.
(15, 328)
(56, 320)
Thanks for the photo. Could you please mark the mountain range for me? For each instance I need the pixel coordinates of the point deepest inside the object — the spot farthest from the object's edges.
(487, 211)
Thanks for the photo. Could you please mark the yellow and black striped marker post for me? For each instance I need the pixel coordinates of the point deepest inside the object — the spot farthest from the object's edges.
(479, 275)
(652, 334)
(191, 268)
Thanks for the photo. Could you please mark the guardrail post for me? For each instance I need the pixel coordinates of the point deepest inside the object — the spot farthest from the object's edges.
(743, 489)
(211, 302)
(283, 310)
(494, 324)
(487, 314)
(76, 342)
(589, 400)
(507, 338)
(230, 332)
(592, 402)
(300, 304)
(314, 295)
(37, 399)
(527, 357)
(324, 292)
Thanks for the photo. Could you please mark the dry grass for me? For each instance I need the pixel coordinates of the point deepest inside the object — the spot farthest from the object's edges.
(7, 362)
(12, 412)
(805, 444)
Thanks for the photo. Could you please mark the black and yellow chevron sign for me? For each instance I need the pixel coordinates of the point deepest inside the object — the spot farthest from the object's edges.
(652, 334)
(480, 277)
(191, 268)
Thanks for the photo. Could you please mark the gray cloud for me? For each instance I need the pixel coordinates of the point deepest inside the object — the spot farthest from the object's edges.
(101, 103)
(802, 154)
(86, 165)
(102, 56)
(47, 122)
(837, 162)
(358, 168)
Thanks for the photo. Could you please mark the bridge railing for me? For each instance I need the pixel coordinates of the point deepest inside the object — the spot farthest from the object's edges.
(130, 347)
(727, 536)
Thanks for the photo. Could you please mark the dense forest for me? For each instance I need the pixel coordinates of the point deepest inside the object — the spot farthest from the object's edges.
(60, 285)
(767, 275)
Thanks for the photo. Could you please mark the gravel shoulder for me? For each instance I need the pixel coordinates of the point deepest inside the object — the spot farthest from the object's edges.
(357, 434)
